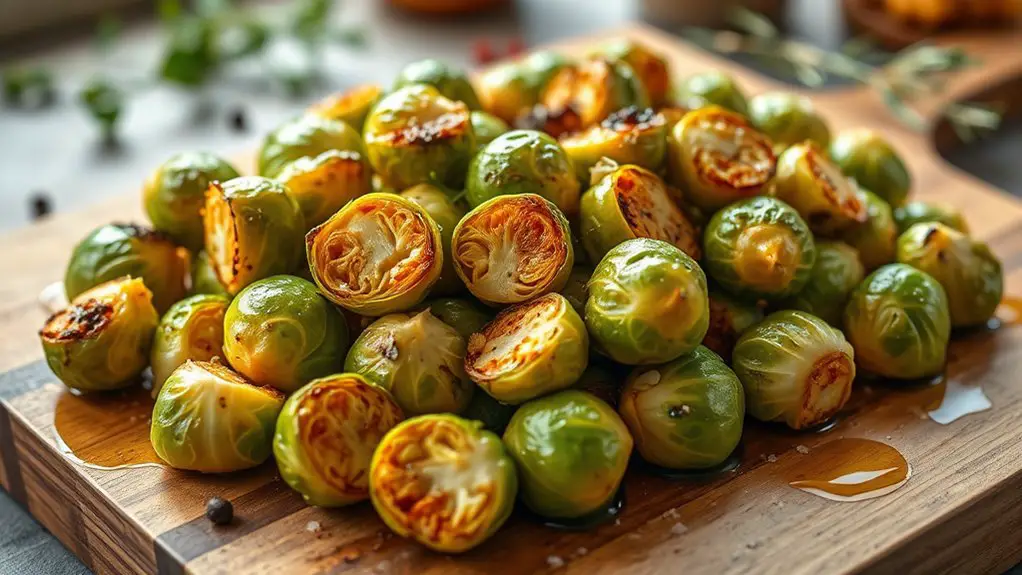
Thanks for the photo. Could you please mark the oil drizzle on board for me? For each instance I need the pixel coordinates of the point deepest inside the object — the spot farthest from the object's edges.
(851, 469)
(958, 400)
(1009, 313)
(106, 430)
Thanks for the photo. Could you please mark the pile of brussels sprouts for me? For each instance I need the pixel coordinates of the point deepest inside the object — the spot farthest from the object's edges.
(415, 304)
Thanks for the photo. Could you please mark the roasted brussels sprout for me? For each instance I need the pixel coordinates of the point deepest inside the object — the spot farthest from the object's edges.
(326, 435)
(465, 316)
(576, 291)
(899, 323)
(204, 280)
(729, 318)
(323, 184)
(487, 127)
(174, 194)
(925, 212)
(969, 272)
(253, 230)
(647, 303)
(446, 214)
(523, 162)
(416, 136)
(102, 340)
(871, 161)
(835, 274)
(280, 331)
(449, 81)
(512, 249)
(443, 481)
(788, 119)
(351, 106)
(209, 419)
(796, 369)
(571, 451)
(116, 250)
(593, 89)
(712, 88)
(685, 414)
(650, 67)
(876, 239)
(307, 136)
(809, 182)
(628, 136)
(633, 202)
(509, 90)
(192, 329)
(379, 254)
(493, 414)
(718, 158)
(529, 350)
(759, 248)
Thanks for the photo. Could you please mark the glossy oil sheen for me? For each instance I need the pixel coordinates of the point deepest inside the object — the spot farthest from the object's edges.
(606, 514)
(851, 469)
(105, 430)
(958, 400)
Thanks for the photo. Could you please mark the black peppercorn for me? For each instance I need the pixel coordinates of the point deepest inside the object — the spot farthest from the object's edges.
(239, 121)
(219, 511)
(40, 205)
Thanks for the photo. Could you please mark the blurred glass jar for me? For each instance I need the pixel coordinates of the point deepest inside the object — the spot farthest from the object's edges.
(702, 13)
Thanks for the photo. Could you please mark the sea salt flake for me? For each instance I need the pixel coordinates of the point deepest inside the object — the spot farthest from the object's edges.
(678, 529)
(312, 526)
(581, 551)
(554, 561)
(802, 449)
(772, 458)
(671, 513)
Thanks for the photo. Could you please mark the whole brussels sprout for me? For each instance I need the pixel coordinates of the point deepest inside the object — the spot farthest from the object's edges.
(788, 119)
(507, 91)
(571, 451)
(512, 249)
(796, 369)
(718, 158)
(306, 136)
(628, 136)
(204, 280)
(449, 81)
(443, 481)
(601, 381)
(651, 68)
(576, 291)
(968, 271)
(116, 250)
(192, 329)
(835, 274)
(759, 248)
(446, 214)
(209, 419)
(351, 106)
(101, 341)
(253, 230)
(323, 184)
(869, 159)
(174, 194)
(493, 414)
(379, 254)
(529, 350)
(729, 318)
(876, 239)
(899, 323)
(418, 359)
(711, 88)
(647, 303)
(465, 316)
(632, 202)
(414, 135)
(487, 127)
(808, 181)
(594, 89)
(685, 414)
(326, 435)
(924, 212)
(280, 331)
(523, 162)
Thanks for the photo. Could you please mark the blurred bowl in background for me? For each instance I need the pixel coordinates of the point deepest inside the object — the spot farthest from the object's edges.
(447, 7)
(705, 13)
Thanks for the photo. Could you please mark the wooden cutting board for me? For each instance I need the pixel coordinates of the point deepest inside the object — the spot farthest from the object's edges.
(961, 510)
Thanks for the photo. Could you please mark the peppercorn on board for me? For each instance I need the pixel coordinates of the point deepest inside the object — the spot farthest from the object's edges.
(959, 512)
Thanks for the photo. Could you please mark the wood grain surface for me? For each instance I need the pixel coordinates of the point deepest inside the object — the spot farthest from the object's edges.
(960, 512)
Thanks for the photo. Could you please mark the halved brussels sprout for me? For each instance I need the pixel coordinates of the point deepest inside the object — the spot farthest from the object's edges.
(759, 248)
(512, 249)
(647, 303)
(326, 435)
(449, 81)
(788, 119)
(628, 136)
(351, 106)
(870, 160)
(379, 254)
(506, 91)
(280, 331)
(465, 316)
(417, 358)
(711, 88)
(876, 239)
(796, 369)
(924, 212)
(487, 127)
(306, 136)
(571, 451)
(576, 291)
(650, 67)
(685, 414)
(899, 323)
(493, 414)
(204, 280)
(174, 194)
(209, 419)
(529, 350)
(718, 158)
(414, 135)
(446, 214)
(323, 184)
(969, 272)
(102, 340)
(116, 250)
(729, 318)
(600, 380)
(443, 481)
(835, 274)
(192, 329)
(633, 202)
(523, 162)
(594, 89)
(253, 230)
(809, 182)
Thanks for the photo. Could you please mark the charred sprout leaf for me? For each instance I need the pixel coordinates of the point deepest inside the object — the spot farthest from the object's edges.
(809, 182)
(592, 89)
(876, 238)
(788, 119)
(448, 80)
(446, 213)
(712, 88)
(866, 157)
(926, 212)
(729, 318)
(835, 274)
(192, 329)
(628, 136)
